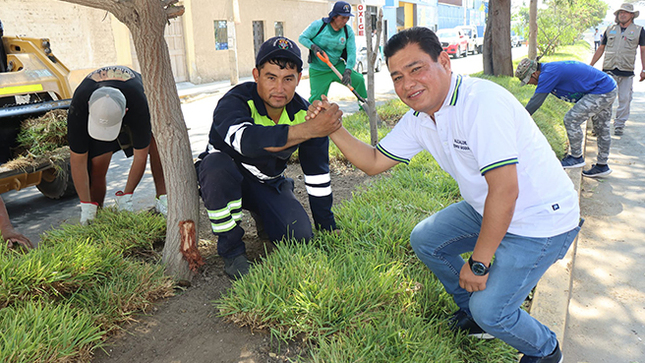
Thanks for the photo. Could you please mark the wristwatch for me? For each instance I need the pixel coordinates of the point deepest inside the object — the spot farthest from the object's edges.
(478, 268)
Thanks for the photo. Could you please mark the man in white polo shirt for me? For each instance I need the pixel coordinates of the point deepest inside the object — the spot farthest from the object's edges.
(519, 205)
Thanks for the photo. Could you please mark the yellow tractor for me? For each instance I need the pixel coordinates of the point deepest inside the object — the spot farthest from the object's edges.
(33, 83)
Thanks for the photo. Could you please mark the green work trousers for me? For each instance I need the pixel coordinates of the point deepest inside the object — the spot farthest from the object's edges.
(320, 81)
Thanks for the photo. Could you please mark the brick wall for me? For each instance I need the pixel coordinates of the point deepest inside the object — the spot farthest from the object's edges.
(80, 37)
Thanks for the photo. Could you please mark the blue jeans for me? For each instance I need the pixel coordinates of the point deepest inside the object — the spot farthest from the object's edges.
(440, 239)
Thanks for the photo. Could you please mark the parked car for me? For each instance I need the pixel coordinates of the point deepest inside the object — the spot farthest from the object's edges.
(475, 42)
(454, 42)
(361, 61)
(516, 41)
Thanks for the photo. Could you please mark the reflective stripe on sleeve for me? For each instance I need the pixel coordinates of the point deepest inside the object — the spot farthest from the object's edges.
(234, 136)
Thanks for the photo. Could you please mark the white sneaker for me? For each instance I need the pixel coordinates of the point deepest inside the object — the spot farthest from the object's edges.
(161, 205)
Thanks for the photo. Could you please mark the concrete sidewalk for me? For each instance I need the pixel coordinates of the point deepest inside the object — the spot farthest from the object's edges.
(594, 299)
(606, 313)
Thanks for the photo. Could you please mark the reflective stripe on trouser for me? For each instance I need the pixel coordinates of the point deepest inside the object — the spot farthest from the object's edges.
(625, 95)
(226, 190)
(597, 107)
(220, 182)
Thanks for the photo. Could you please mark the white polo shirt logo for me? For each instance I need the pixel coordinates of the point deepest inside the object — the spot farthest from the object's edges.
(460, 145)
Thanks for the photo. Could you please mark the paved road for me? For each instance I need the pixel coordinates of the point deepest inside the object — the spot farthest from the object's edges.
(31, 213)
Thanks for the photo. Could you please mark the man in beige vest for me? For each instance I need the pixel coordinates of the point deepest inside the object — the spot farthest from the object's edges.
(621, 41)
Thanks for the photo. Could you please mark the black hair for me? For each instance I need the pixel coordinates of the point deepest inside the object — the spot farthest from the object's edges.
(283, 63)
(425, 38)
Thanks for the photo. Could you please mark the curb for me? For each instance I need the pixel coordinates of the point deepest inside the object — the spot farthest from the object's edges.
(550, 303)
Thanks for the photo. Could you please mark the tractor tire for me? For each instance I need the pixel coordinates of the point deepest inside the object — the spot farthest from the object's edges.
(62, 184)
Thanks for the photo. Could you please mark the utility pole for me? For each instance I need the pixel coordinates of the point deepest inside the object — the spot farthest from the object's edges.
(233, 19)
(464, 4)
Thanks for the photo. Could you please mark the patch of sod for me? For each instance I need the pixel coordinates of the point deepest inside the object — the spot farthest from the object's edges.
(58, 301)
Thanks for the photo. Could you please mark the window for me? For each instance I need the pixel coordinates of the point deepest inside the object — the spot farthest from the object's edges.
(258, 35)
(279, 28)
(221, 35)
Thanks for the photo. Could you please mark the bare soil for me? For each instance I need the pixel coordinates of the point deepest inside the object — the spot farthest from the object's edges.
(186, 328)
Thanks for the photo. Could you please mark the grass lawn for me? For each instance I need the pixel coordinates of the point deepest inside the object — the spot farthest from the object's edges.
(59, 300)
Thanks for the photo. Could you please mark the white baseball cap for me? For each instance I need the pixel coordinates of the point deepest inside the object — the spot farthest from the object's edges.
(107, 108)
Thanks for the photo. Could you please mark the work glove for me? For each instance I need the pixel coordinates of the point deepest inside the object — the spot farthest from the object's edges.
(347, 77)
(161, 205)
(123, 201)
(88, 212)
(316, 49)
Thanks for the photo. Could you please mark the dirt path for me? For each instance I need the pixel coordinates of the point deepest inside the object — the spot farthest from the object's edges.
(185, 328)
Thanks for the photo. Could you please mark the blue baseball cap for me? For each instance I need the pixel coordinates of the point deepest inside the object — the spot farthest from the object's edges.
(341, 8)
(279, 47)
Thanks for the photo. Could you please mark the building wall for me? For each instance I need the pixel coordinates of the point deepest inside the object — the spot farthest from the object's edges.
(450, 16)
(360, 40)
(427, 15)
(451, 2)
(86, 38)
(424, 13)
(81, 37)
(207, 64)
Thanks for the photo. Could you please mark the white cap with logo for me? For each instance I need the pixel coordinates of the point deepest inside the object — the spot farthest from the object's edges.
(107, 108)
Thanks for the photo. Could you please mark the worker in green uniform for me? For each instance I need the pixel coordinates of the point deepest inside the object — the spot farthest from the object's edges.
(333, 36)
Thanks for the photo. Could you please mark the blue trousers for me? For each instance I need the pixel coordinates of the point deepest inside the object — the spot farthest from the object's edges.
(226, 190)
(440, 239)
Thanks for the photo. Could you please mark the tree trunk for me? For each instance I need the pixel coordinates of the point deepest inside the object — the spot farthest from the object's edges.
(146, 20)
(533, 29)
(498, 60)
(371, 59)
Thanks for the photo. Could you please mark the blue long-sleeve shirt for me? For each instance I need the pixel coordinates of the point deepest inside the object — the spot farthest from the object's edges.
(569, 81)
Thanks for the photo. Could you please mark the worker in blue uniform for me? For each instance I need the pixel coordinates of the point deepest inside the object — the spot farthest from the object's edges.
(256, 128)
